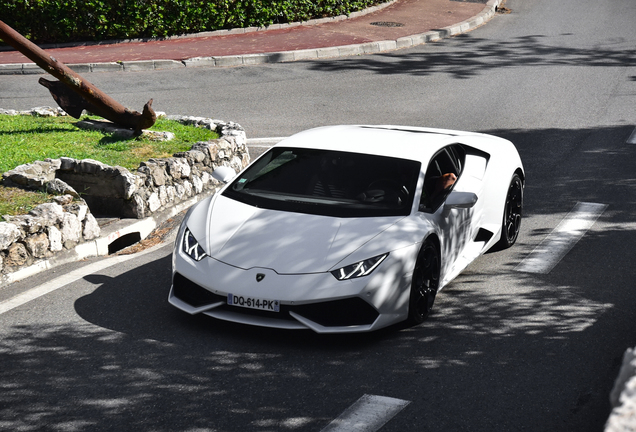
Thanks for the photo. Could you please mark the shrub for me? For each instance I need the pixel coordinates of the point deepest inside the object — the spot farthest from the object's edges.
(56, 21)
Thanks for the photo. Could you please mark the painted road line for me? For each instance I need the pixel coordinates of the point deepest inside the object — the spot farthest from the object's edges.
(563, 238)
(632, 138)
(39, 291)
(368, 414)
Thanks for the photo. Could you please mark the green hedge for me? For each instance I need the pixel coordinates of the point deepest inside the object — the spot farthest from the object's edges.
(46, 21)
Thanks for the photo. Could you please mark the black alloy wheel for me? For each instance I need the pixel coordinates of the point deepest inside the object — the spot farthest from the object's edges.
(425, 283)
(512, 213)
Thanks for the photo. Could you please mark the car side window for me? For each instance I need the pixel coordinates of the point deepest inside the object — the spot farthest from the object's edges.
(443, 171)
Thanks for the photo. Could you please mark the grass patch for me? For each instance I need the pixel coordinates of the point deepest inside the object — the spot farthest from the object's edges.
(15, 201)
(25, 139)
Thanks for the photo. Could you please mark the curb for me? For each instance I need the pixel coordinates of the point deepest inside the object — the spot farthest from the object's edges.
(276, 57)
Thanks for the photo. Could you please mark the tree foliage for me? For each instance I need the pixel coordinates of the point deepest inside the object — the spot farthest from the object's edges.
(57, 21)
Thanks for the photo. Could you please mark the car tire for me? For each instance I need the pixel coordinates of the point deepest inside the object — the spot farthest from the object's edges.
(513, 209)
(425, 282)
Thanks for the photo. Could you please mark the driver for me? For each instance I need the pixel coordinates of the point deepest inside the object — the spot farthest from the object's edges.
(444, 182)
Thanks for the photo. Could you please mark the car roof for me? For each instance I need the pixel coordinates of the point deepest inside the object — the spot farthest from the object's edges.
(405, 142)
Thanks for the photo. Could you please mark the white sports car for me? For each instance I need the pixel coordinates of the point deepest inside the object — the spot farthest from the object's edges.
(347, 228)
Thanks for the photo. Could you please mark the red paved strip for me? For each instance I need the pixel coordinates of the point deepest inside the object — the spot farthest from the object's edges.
(418, 16)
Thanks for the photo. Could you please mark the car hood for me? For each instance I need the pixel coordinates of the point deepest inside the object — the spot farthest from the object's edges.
(288, 243)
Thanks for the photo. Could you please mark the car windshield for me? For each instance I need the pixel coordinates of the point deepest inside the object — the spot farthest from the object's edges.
(330, 183)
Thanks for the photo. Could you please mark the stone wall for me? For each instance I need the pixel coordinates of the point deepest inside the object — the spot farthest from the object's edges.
(88, 187)
(47, 229)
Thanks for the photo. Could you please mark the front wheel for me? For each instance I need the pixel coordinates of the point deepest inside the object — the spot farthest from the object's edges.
(425, 283)
(512, 213)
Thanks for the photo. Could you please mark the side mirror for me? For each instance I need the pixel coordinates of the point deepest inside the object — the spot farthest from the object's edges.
(224, 174)
(460, 200)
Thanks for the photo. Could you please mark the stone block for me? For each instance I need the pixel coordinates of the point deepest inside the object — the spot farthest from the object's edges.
(60, 187)
(188, 188)
(138, 65)
(91, 228)
(67, 164)
(55, 239)
(153, 202)
(180, 191)
(37, 245)
(200, 62)
(227, 61)
(163, 196)
(17, 256)
(9, 233)
(107, 67)
(168, 64)
(31, 69)
(79, 210)
(171, 193)
(71, 230)
(89, 166)
(80, 68)
(307, 54)
(50, 213)
(63, 199)
(197, 184)
(11, 69)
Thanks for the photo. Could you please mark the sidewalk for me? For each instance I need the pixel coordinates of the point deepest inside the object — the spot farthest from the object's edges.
(394, 25)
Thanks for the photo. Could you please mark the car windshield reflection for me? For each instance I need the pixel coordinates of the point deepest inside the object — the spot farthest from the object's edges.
(326, 182)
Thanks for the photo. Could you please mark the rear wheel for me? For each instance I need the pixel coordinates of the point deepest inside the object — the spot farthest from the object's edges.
(512, 213)
(425, 283)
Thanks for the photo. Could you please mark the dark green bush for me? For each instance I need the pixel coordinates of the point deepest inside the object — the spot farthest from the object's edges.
(47, 21)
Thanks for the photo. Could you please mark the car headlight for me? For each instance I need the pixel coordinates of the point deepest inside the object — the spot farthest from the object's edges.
(192, 247)
(358, 269)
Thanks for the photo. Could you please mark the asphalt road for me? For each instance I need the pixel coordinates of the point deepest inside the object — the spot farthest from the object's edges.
(505, 350)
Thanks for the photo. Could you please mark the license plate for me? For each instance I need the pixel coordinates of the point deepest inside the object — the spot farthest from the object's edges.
(253, 303)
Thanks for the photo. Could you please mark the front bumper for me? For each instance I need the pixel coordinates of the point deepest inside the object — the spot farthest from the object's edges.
(351, 313)
(315, 301)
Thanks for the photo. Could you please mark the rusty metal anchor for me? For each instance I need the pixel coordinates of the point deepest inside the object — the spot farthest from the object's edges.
(72, 92)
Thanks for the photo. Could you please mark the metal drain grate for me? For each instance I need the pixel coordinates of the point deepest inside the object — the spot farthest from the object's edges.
(387, 24)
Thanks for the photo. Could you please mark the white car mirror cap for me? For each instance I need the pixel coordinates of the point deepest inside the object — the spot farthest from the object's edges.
(461, 200)
(224, 174)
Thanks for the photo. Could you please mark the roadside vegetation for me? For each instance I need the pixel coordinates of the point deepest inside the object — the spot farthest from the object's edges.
(57, 21)
(25, 139)
(14, 201)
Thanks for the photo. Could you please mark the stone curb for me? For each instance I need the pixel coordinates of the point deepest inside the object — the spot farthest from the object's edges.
(276, 57)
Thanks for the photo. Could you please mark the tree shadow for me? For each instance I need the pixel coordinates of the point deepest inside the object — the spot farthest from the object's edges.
(477, 55)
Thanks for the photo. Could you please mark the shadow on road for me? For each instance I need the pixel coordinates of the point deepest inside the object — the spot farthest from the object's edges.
(474, 56)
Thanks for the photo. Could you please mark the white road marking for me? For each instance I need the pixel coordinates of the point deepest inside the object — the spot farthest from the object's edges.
(368, 414)
(39, 291)
(632, 138)
(556, 245)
